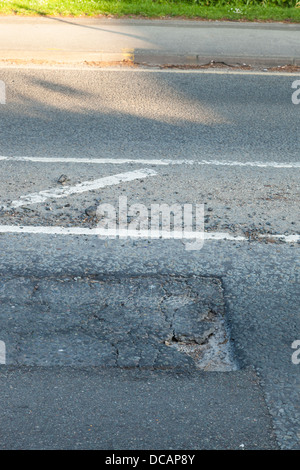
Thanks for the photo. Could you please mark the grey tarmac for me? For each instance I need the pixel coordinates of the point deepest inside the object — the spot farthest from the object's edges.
(46, 280)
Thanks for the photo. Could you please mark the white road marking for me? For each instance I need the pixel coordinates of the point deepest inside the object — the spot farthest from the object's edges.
(286, 238)
(90, 68)
(2, 92)
(158, 162)
(101, 232)
(2, 353)
(42, 196)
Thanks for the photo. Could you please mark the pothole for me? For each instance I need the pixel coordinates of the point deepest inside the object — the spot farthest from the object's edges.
(214, 354)
(146, 321)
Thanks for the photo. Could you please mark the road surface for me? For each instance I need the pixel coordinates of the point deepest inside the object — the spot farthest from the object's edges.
(83, 317)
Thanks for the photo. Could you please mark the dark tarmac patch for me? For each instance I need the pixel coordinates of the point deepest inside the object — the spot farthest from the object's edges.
(154, 322)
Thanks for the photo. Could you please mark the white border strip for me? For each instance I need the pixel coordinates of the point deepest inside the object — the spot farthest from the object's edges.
(151, 69)
(158, 162)
(286, 238)
(100, 232)
(2, 353)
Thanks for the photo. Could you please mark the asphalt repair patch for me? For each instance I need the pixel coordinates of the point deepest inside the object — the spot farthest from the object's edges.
(158, 322)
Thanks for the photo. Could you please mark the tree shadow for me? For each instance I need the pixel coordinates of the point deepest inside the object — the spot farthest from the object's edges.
(80, 25)
(143, 115)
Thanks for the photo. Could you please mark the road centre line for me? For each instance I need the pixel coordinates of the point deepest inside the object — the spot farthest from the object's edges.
(156, 162)
(101, 232)
(42, 196)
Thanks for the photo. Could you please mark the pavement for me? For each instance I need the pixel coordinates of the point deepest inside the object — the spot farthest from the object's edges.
(142, 343)
(152, 42)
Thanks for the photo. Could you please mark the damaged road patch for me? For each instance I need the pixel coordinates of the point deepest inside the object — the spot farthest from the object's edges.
(157, 322)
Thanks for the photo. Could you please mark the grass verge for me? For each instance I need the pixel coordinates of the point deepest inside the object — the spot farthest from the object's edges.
(233, 10)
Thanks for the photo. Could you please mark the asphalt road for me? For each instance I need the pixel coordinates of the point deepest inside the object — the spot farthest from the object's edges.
(228, 141)
(161, 116)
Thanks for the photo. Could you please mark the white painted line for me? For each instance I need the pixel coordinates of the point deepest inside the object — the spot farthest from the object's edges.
(144, 234)
(42, 196)
(2, 92)
(286, 238)
(88, 68)
(2, 353)
(122, 233)
(158, 162)
(113, 161)
(251, 164)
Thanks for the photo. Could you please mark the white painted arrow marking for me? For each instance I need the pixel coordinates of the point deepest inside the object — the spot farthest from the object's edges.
(42, 196)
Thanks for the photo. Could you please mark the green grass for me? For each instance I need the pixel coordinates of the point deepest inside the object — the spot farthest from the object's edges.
(233, 10)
